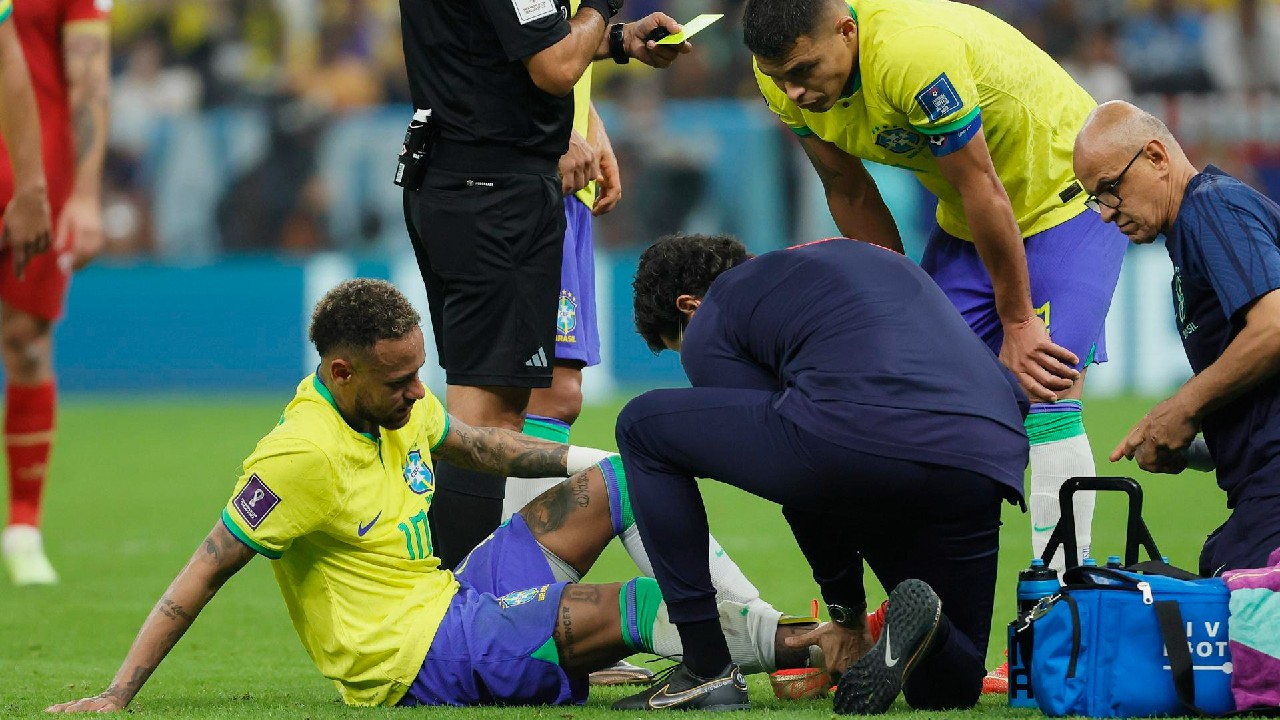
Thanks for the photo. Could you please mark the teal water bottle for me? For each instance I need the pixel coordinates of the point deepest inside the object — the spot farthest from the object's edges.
(1113, 562)
(1034, 583)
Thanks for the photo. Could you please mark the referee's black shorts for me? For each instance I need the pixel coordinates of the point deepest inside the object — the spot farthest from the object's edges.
(489, 247)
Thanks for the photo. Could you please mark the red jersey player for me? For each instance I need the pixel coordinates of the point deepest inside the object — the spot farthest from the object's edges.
(27, 227)
(66, 43)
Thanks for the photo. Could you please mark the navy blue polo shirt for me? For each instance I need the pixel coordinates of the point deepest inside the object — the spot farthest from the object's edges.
(867, 353)
(1223, 245)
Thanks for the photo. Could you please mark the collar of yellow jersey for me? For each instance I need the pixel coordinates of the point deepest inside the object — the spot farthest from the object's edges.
(328, 396)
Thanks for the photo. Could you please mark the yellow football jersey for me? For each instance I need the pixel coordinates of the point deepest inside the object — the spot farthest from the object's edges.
(582, 115)
(344, 516)
(930, 73)
(6, 10)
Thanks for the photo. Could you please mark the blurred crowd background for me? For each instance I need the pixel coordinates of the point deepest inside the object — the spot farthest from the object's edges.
(272, 125)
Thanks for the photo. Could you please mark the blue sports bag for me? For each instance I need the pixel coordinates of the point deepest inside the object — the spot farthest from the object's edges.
(1099, 645)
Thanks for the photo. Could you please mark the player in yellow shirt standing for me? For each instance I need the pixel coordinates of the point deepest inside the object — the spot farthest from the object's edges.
(986, 121)
(337, 494)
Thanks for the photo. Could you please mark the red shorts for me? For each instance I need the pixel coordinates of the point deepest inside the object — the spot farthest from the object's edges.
(42, 291)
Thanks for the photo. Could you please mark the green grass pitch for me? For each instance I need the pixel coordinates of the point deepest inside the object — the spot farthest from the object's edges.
(136, 484)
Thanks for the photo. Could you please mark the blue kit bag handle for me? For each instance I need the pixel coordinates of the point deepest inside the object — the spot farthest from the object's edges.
(1137, 536)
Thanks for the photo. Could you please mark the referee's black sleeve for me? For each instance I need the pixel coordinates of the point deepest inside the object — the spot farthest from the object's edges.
(525, 27)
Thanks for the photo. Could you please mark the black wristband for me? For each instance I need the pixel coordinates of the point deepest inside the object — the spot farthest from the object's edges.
(617, 48)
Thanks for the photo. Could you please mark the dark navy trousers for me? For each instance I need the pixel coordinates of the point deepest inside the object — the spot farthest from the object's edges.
(1246, 539)
(904, 519)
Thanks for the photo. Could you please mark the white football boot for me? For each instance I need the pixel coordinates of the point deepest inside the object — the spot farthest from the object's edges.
(24, 557)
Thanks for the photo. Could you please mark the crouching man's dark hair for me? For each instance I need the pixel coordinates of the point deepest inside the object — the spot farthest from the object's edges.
(678, 265)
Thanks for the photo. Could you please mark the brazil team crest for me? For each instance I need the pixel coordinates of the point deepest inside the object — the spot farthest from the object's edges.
(520, 597)
(899, 140)
(418, 474)
(566, 317)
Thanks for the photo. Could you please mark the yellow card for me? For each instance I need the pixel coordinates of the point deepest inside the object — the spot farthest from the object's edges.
(691, 28)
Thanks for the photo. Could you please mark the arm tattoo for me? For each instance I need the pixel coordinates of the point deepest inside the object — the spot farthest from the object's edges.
(125, 692)
(85, 128)
(86, 60)
(173, 610)
(211, 548)
(503, 452)
(550, 510)
(227, 553)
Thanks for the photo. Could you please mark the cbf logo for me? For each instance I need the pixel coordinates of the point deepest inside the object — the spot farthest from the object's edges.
(898, 140)
(566, 316)
(520, 597)
(417, 474)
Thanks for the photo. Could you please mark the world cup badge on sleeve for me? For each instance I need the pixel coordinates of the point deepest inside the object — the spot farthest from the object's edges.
(939, 99)
(255, 501)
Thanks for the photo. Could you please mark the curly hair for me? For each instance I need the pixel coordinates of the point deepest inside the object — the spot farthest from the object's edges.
(771, 27)
(678, 265)
(358, 313)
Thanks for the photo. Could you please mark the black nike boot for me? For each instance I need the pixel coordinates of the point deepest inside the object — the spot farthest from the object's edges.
(873, 682)
(679, 689)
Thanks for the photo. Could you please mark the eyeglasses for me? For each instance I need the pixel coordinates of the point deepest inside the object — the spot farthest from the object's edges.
(1106, 194)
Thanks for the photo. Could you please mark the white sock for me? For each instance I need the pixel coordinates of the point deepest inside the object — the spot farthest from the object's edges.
(750, 630)
(1052, 463)
(522, 491)
(750, 634)
(726, 576)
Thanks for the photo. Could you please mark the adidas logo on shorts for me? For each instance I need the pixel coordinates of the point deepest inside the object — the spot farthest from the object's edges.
(539, 359)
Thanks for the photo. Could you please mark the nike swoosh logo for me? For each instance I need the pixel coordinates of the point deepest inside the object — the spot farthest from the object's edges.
(666, 699)
(889, 659)
(362, 529)
(1037, 528)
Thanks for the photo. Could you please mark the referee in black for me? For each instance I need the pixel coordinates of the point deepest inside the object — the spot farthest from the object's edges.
(487, 222)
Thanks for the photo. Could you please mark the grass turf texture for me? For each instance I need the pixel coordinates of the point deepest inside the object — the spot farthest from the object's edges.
(136, 485)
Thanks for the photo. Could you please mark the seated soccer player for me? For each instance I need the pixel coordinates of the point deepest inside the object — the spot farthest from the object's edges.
(336, 495)
(837, 380)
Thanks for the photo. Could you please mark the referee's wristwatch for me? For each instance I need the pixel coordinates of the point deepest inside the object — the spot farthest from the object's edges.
(843, 616)
(617, 47)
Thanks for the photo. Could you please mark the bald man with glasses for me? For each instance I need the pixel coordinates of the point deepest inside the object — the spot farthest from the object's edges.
(1224, 240)
(1108, 192)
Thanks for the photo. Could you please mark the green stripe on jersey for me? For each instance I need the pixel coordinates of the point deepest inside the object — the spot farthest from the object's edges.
(951, 126)
(234, 529)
